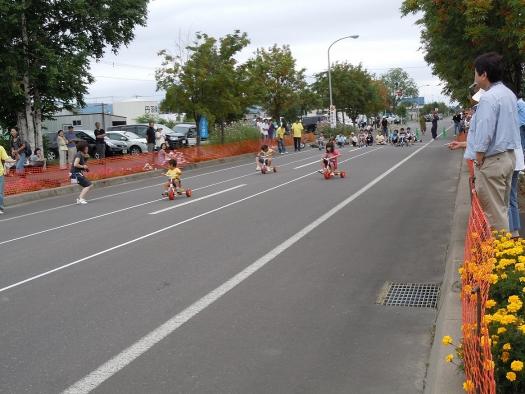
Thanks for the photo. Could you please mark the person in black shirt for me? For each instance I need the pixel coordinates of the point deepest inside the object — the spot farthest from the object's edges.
(100, 133)
(78, 168)
(150, 137)
(434, 128)
(457, 120)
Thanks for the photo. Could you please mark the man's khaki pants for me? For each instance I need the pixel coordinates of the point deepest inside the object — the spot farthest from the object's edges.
(493, 183)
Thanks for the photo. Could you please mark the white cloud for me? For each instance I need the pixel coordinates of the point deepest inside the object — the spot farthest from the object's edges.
(308, 26)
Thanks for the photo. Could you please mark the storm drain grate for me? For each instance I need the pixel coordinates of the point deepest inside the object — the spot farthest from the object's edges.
(418, 295)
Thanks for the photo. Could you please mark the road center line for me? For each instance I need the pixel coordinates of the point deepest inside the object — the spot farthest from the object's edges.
(197, 199)
(117, 211)
(149, 235)
(143, 188)
(127, 356)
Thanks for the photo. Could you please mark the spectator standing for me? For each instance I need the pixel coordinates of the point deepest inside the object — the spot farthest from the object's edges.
(281, 131)
(159, 137)
(297, 131)
(150, 137)
(493, 137)
(18, 150)
(521, 116)
(384, 126)
(434, 129)
(457, 121)
(100, 143)
(271, 130)
(514, 211)
(78, 169)
(71, 138)
(422, 124)
(62, 149)
(4, 157)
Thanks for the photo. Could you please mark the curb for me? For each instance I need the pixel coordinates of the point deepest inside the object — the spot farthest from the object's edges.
(441, 376)
(70, 189)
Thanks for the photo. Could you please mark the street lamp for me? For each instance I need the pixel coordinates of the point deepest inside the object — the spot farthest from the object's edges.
(330, 74)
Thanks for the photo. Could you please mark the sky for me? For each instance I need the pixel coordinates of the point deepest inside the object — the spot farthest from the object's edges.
(386, 40)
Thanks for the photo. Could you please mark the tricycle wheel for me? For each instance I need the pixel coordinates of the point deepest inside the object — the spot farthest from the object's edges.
(342, 174)
(326, 175)
(263, 170)
(188, 192)
(171, 194)
(274, 169)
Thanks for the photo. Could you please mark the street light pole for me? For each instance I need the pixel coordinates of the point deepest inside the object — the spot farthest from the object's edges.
(330, 74)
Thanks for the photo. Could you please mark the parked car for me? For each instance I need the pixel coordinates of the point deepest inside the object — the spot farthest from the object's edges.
(189, 131)
(173, 139)
(112, 147)
(134, 143)
(310, 122)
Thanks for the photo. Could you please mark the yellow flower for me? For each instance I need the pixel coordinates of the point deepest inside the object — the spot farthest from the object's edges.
(507, 346)
(468, 386)
(450, 357)
(516, 365)
(494, 279)
(505, 356)
(501, 330)
(511, 376)
(503, 276)
(522, 328)
(447, 340)
(490, 304)
(522, 279)
(520, 267)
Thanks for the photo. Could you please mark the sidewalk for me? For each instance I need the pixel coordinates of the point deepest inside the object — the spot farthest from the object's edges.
(443, 377)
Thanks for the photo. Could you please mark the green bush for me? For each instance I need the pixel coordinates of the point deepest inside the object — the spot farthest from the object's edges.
(235, 132)
(4, 140)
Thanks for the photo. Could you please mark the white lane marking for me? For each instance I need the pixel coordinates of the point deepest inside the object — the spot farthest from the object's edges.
(319, 161)
(47, 273)
(127, 356)
(197, 199)
(118, 211)
(146, 187)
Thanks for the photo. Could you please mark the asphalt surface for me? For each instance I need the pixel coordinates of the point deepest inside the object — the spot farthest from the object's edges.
(259, 291)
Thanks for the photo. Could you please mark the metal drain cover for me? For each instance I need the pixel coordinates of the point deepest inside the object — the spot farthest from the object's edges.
(418, 295)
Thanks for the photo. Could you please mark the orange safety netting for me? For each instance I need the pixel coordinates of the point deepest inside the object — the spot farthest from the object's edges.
(479, 369)
(38, 178)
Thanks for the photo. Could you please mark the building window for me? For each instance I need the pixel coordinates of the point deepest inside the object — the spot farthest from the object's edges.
(77, 123)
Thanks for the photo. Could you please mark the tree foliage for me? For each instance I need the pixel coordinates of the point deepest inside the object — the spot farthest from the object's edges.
(455, 32)
(399, 85)
(209, 82)
(275, 82)
(354, 90)
(46, 48)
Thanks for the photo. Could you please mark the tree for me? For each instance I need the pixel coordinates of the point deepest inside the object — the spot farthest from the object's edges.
(46, 49)
(276, 84)
(455, 32)
(209, 83)
(399, 85)
(354, 90)
(429, 108)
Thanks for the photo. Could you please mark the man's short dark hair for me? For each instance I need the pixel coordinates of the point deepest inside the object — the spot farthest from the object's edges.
(70, 127)
(490, 63)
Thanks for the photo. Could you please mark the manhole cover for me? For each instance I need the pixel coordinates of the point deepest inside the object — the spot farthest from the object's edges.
(418, 295)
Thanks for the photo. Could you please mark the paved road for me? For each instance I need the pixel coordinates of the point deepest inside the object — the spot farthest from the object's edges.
(257, 284)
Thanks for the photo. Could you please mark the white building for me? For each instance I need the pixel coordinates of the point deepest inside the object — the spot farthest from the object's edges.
(134, 108)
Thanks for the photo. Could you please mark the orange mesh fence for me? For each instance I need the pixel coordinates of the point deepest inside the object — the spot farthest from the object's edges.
(38, 178)
(475, 278)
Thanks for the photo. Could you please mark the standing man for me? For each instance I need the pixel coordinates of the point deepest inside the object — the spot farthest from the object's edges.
(18, 150)
(3, 158)
(150, 137)
(297, 131)
(495, 133)
(434, 129)
(384, 126)
(71, 138)
(457, 120)
(521, 115)
(100, 134)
